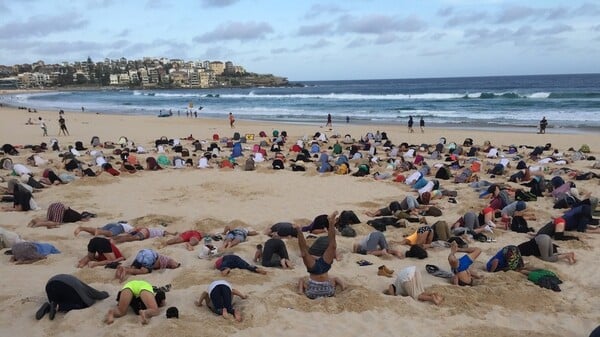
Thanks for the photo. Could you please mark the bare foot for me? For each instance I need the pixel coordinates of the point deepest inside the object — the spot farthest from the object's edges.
(197, 303)
(110, 317)
(261, 271)
(77, 231)
(225, 313)
(237, 314)
(143, 317)
(371, 214)
(437, 299)
(225, 271)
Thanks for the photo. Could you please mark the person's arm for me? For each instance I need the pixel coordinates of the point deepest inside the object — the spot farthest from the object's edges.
(15, 208)
(239, 294)
(110, 257)
(29, 261)
(203, 298)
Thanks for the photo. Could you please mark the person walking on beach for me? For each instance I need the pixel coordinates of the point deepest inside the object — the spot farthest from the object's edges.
(422, 124)
(231, 120)
(329, 124)
(43, 126)
(543, 125)
(410, 124)
(63, 126)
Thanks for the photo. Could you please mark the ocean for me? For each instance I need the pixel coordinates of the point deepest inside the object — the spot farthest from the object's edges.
(567, 101)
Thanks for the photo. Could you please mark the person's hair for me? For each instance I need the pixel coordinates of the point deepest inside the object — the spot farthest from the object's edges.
(160, 297)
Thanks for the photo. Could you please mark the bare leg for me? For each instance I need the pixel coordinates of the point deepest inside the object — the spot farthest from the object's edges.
(80, 229)
(329, 254)
(309, 260)
(121, 308)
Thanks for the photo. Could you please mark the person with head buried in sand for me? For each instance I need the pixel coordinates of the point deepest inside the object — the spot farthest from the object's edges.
(141, 296)
(318, 283)
(408, 283)
(219, 299)
(463, 273)
(191, 239)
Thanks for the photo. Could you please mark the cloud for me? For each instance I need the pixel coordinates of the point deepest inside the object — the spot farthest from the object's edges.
(67, 47)
(514, 13)
(218, 3)
(152, 4)
(446, 11)
(556, 29)
(125, 32)
(470, 18)
(280, 51)
(321, 43)
(438, 36)
(242, 31)
(357, 43)
(520, 36)
(379, 24)
(42, 25)
(587, 9)
(317, 10)
(386, 38)
(318, 29)
(596, 28)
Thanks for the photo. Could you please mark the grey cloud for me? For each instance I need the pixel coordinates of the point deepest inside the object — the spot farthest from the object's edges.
(65, 47)
(386, 38)
(556, 29)
(123, 33)
(557, 13)
(438, 36)
(514, 13)
(216, 53)
(521, 36)
(321, 43)
(218, 3)
(587, 9)
(465, 19)
(596, 28)
(280, 51)
(38, 26)
(318, 29)
(357, 43)
(152, 4)
(378, 24)
(317, 10)
(444, 12)
(242, 31)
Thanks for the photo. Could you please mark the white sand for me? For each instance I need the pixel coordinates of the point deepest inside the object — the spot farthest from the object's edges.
(504, 305)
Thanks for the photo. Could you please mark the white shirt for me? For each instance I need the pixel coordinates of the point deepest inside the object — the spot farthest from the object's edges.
(258, 157)
(493, 153)
(216, 283)
(100, 161)
(203, 163)
(127, 228)
(21, 169)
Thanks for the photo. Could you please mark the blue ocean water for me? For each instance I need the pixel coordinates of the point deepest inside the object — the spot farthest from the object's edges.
(567, 101)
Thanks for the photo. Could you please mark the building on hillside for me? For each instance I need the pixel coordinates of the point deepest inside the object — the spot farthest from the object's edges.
(217, 67)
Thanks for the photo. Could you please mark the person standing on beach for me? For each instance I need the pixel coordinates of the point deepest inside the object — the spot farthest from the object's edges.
(329, 124)
(63, 126)
(43, 126)
(543, 125)
(231, 120)
(422, 124)
(410, 124)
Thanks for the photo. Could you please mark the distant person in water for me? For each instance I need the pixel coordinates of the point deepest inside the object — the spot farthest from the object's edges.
(410, 124)
(328, 120)
(543, 125)
(422, 124)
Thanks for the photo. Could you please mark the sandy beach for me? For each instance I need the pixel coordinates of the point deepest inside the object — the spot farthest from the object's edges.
(503, 304)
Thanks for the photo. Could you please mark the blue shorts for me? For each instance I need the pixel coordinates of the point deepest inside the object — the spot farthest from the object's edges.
(463, 264)
(114, 228)
(320, 267)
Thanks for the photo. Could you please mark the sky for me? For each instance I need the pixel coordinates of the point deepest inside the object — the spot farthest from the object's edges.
(307, 40)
